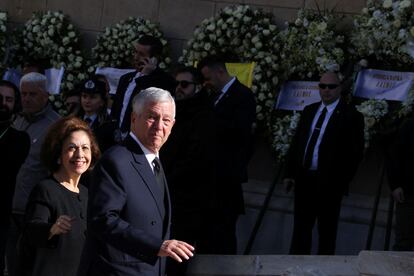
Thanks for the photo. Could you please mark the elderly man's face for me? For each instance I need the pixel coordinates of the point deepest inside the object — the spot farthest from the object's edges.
(329, 88)
(153, 126)
(34, 99)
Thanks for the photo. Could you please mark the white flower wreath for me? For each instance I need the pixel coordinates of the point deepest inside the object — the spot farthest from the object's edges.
(284, 128)
(384, 31)
(311, 46)
(115, 47)
(3, 29)
(247, 35)
(383, 38)
(50, 35)
(373, 111)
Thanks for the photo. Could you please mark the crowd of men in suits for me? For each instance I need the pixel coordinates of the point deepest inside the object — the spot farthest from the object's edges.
(175, 154)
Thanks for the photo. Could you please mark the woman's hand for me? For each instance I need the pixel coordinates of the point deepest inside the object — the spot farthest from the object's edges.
(62, 226)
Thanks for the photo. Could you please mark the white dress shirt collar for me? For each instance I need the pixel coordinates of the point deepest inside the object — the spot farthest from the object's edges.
(330, 107)
(148, 154)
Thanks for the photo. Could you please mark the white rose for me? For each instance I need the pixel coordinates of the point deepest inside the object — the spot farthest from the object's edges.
(298, 22)
(211, 27)
(50, 32)
(387, 4)
(3, 16)
(266, 32)
(201, 36)
(377, 14)
(65, 40)
(397, 23)
(363, 62)
(322, 26)
(255, 39)
(207, 46)
(405, 4)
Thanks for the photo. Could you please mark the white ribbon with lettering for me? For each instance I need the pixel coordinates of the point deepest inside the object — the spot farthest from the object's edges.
(112, 76)
(379, 84)
(295, 95)
(54, 79)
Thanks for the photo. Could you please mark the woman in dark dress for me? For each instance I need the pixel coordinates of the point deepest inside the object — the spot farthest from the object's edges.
(56, 212)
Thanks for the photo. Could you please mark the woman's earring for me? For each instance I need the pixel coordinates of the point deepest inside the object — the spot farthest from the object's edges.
(58, 161)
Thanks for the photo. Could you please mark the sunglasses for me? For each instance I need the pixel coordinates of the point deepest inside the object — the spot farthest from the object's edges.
(329, 86)
(183, 83)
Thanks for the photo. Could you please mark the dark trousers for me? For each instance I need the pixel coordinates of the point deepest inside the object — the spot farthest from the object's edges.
(4, 229)
(16, 228)
(212, 233)
(315, 202)
(185, 227)
(220, 233)
(404, 225)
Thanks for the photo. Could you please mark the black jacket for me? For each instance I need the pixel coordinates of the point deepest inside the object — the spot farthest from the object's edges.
(401, 159)
(188, 156)
(340, 151)
(234, 116)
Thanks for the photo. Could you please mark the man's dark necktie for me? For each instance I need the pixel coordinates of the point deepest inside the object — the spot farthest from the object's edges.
(307, 161)
(88, 121)
(159, 175)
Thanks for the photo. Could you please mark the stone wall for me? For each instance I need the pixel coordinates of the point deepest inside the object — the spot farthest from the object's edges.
(176, 17)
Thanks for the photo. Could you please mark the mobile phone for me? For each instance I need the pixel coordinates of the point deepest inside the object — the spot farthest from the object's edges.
(153, 61)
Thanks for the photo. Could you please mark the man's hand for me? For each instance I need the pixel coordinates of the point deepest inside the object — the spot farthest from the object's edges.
(288, 183)
(398, 195)
(176, 250)
(148, 66)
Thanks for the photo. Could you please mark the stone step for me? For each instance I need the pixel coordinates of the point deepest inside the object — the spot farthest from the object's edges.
(379, 263)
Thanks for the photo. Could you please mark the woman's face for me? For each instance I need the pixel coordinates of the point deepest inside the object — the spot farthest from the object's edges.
(91, 103)
(76, 153)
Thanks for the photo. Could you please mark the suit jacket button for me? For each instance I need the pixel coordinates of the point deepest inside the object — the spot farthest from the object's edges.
(153, 222)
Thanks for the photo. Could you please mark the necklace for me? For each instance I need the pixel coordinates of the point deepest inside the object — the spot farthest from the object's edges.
(4, 132)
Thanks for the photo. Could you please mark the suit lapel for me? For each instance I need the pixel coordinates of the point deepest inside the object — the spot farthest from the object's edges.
(231, 92)
(333, 120)
(142, 167)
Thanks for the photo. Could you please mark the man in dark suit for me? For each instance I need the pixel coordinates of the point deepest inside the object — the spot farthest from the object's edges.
(129, 205)
(147, 74)
(400, 172)
(234, 115)
(187, 157)
(14, 147)
(323, 159)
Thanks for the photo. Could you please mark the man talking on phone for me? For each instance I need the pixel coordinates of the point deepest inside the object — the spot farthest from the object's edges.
(147, 52)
